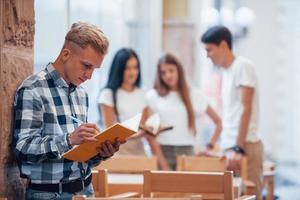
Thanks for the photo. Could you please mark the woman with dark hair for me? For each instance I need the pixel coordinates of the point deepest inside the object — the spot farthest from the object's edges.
(178, 105)
(122, 97)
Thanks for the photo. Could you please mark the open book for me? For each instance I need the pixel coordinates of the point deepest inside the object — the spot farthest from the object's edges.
(153, 125)
(87, 150)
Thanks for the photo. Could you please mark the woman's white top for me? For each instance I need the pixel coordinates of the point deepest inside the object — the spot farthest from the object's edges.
(129, 104)
(172, 112)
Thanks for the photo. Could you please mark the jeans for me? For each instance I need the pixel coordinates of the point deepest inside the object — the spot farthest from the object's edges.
(42, 195)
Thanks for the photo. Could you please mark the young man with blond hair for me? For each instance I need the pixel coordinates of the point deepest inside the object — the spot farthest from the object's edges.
(240, 104)
(45, 105)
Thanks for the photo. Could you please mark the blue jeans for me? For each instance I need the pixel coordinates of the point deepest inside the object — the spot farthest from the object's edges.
(42, 195)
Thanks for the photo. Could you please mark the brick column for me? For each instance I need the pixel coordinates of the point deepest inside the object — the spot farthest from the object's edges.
(16, 63)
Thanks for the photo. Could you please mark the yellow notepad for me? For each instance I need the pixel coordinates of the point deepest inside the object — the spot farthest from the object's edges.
(87, 150)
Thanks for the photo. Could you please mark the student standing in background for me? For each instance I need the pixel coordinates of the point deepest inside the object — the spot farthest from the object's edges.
(178, 105)
(240, 104)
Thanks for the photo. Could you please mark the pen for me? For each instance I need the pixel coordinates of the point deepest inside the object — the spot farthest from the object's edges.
(76, 120)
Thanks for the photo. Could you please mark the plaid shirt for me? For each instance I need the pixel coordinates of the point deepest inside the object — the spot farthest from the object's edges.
(43, 106)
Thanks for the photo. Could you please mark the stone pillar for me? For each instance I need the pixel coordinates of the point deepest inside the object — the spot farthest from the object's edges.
(16, 63)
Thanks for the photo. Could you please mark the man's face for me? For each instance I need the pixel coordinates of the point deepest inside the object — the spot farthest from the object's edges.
(80, 64)
(215, 53)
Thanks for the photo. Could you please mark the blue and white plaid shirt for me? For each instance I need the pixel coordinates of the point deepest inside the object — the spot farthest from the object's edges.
(43, 106)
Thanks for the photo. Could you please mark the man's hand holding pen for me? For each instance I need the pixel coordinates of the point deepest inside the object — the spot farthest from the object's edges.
(86, 132)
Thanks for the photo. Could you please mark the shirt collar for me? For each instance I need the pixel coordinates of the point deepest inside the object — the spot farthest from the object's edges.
(58, 80)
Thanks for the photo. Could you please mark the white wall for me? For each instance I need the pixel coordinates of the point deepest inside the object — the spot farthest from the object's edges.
(271, 44)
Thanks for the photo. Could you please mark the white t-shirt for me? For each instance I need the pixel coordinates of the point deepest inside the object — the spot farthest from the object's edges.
(240, 73)
(172, 112)
(129, 104)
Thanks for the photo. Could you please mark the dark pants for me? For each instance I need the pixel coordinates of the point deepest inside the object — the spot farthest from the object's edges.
(42, 195)
(171, 152)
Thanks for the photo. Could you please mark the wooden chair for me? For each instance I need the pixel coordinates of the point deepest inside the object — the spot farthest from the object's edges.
(100, 183)
(101, 186)
(269, 171)
(210, 164)
(129, 164)
(216, 185)
(201, 163)
(124, 165)
(214, 164)
(269, 178)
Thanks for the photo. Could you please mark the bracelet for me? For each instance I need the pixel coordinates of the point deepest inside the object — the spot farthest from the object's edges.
(210, 146)
(238, 149)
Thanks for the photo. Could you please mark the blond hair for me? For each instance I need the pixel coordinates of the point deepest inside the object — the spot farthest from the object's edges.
(84, 34)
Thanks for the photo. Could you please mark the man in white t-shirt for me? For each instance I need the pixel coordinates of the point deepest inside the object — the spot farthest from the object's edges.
(239, 104)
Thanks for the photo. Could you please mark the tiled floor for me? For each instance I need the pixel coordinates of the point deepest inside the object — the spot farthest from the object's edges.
(288, 181)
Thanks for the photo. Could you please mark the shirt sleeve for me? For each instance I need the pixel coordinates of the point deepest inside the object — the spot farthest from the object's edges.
(199, 101)
(245, 75)
(30, 143)
(106, 97)
(95, 161)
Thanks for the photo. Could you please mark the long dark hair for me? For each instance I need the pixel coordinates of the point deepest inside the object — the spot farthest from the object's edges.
(116, 73)
(163, 89)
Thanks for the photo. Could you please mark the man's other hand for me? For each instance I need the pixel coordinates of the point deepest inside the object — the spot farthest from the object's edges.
(234, 161)
(108, 149)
